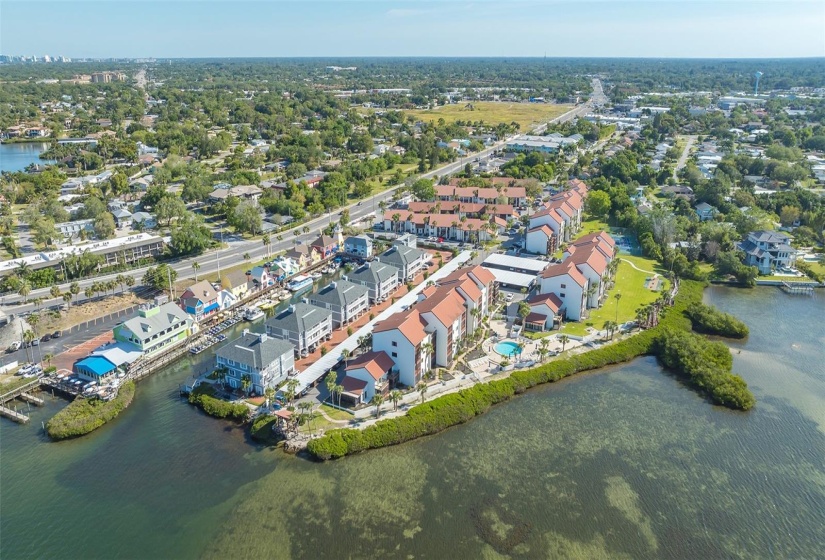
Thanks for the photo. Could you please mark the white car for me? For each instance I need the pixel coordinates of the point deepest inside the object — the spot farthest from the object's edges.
(509, 297)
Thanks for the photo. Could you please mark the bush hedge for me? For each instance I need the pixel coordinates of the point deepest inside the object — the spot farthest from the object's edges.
(456, 408)
(261, 429)
(709, 320)
(84, 415)
(707, 365)
(202, 396)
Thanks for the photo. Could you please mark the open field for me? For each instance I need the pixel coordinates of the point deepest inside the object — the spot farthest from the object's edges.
(493, 113)
(630, 282)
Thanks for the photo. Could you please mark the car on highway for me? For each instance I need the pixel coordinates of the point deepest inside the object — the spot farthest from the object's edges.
(57, 334)
(46, 337)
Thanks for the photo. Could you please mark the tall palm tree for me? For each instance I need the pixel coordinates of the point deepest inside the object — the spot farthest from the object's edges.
(24, 290)
(564, 339)
(28, 337)
(543, 348)
(617, 296)
(291, 387)
(377, 401)
(422, 390)
(266, 241)
(196, 267)
(130, 281)
(395, 396)
(33, 319)
(74, 288)
(55, 291)
(329, 381)
(246, 383)
(269, 393)
(338, 390)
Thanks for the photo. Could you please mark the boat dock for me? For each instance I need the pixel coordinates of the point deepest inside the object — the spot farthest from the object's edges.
(799, 288)
(21, 393)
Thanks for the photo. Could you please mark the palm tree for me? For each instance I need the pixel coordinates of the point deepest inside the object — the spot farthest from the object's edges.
(130, 281)
(55, 291)
(196, 267)
(377, 401)
(89, 292)
(617, 296)
(422, 390)
(306, 413)
(111, 285)
(67, 298)
(291, 387)
(23, 270)
(246, 383)
(48, 359)
(33, 319)
(338, 390)
(395, 396)
(266, 241)
(269, 393)
(24, 290)
(591, 291)
(345, 356)
(28, 337)
(543, 348)
(396, 219)
(564, 339)
(330, 382)
(120, 279)
(74, 288)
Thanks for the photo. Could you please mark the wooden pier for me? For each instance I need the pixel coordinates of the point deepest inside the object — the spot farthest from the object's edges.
(799, 288)
(13, 415)
(15, 393)
(32, 399)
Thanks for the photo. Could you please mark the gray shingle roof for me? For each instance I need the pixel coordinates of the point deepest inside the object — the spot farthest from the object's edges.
(769, 236)
(375, 272)
(146, 327)
(400, 256)
(299, 318)
(341, 292)
(256, 350)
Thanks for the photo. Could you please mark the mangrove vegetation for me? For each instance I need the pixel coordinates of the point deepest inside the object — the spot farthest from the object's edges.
(86, 415)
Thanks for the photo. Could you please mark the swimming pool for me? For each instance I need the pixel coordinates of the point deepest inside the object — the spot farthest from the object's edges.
(506, 348)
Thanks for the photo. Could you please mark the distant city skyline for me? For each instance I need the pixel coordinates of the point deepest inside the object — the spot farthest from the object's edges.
(353, 28)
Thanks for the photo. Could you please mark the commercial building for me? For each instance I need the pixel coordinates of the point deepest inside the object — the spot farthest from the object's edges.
(154, 327)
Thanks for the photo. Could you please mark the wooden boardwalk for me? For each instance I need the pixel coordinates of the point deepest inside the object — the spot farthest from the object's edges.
(799, 288)
(13, 415)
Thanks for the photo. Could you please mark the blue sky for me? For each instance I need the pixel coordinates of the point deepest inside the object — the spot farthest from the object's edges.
(184, 28)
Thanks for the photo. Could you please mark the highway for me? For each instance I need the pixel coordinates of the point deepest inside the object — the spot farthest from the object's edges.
(232, 254)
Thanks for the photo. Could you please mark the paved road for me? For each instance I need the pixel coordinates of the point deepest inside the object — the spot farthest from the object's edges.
(232, 255)
(685, 154)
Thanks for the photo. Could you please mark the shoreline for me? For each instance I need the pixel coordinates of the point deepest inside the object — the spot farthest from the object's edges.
(456, 408)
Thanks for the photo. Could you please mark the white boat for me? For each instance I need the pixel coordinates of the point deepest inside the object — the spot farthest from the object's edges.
(316, 275)
(252, 313)
(299, 283)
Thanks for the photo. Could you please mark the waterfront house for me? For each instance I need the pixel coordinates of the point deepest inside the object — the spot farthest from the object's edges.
(768, 250)
(327, 246)
(238, 282)
(407, 260)
(200, 300)
(381, 279)
(260, 278)
(155, 327)
(305, 255)
(375, 369)
(346, 300)
(263, 360)
(358, 246)
(305, 326)
(404, 338)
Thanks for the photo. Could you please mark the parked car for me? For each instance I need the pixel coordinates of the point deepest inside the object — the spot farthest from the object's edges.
(509, 297)
(46, 337)
(15, 346)
(57, 334)
(36, 342)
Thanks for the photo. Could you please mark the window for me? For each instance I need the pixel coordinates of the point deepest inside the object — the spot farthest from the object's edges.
(563, 286)
(394, 343)
(561, 294)
(395, 354)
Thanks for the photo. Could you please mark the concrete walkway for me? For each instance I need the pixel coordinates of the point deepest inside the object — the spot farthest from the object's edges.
(640, 269)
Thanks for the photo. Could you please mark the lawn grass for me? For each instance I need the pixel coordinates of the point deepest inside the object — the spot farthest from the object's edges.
(630, 283)
(592, 225)
(335, 413)
(493, 113)
(378, 186)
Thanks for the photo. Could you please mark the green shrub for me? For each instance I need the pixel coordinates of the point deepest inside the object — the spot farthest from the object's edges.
(707, 366)
(202, 396)
(84, 415)
(261, 429)
(709, 320)
(456, 408)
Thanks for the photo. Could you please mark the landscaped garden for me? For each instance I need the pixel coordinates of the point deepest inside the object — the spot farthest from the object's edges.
(630, 283)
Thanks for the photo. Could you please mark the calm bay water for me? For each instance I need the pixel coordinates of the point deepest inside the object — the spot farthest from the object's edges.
(16, 157)
(624, 463)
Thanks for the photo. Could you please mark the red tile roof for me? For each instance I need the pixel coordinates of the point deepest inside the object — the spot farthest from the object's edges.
(566, 268)
(376, 363)
(445, 304)
(409, 323)
(353, 386)
(551, 300)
